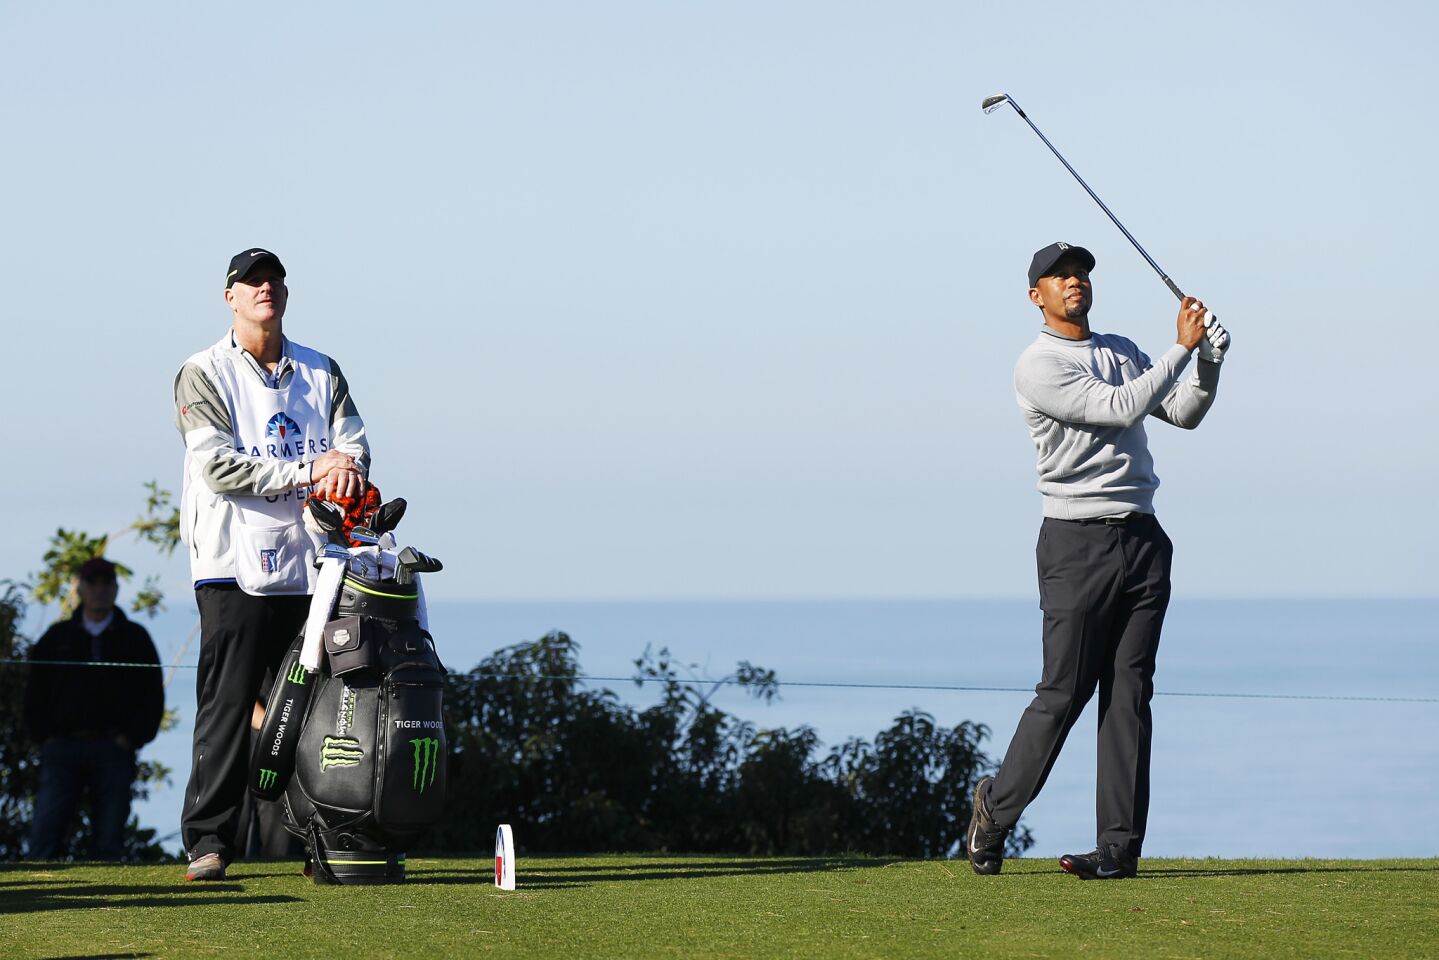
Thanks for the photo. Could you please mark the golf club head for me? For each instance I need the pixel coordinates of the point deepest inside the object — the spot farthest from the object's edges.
(411, 561)
(389, 515)
(364, 536)
(333, 551)
(991, 104)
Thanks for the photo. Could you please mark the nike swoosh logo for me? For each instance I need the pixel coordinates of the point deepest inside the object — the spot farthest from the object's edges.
(257, 253)
(1109, 873)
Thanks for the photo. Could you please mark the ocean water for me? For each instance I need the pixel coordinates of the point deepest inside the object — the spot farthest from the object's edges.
(1254, 776)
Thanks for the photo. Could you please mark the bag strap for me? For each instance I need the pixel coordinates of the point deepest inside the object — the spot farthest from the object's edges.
(323, 873)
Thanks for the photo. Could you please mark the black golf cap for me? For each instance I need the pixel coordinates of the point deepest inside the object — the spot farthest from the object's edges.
(246, 260)
(1052, 254)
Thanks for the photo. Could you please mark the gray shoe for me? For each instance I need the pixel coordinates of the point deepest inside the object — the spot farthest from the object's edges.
(208, 867)
(985, 839)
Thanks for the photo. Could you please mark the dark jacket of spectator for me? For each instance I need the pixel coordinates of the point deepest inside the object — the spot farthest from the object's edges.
(65, 701)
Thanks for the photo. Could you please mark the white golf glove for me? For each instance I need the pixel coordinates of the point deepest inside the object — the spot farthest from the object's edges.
(1215, 341)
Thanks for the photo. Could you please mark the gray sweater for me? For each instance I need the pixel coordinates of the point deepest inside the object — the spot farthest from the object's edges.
(1085, 402)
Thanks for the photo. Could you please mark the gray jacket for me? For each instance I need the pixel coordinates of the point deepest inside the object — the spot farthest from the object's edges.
(1085, 402)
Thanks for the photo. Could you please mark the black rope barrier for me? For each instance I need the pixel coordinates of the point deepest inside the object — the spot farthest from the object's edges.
(838, 685)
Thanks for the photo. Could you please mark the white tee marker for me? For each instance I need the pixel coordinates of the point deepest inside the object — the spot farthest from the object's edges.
(505, 857)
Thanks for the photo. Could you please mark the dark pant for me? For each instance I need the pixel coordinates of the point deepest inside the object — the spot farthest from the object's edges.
(69, 768)
(1104, 589)
(262, 832)
(241, 637)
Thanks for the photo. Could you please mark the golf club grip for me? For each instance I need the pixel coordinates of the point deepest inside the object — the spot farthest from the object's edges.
(1180, 295)
(1174, 288)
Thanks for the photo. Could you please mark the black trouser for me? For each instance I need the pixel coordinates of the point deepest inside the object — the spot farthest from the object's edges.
(1104, 589)
(71, 766)
(241, 636)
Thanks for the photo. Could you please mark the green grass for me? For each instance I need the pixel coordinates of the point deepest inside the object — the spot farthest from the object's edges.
(709, 906)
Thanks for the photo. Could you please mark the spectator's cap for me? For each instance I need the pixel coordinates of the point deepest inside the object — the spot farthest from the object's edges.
(1052, 254)
(246, 260)
(97, 568)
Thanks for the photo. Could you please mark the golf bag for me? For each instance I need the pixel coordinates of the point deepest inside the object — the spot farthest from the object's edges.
(356, 749)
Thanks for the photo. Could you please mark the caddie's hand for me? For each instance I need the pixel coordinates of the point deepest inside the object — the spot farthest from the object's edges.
(1216, 340)
(1191, 323)
(329, 462)
(341, 483)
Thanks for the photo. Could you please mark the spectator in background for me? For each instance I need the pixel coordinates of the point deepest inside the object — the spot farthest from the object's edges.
(89, 721)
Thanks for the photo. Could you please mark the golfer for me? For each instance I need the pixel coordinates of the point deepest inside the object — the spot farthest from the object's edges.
(1103, 557)
(264, 419)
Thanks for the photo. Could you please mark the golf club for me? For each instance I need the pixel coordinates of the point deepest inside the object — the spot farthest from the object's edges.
(993, 103)
(388, 516)
(411, 561)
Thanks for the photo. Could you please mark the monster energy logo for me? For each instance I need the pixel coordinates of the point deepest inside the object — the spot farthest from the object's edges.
(267, 778)
(297, 673)
(427, 755)
(340, 752)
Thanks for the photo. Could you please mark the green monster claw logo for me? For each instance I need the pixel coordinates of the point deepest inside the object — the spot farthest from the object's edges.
(340, 752)
(267, 778)
(427, 755)
(297, 673)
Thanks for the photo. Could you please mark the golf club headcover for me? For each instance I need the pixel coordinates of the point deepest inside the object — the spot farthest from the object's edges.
(325, 520)
(356, 511)
(388, 517)
(1215, 340)
(272, 759)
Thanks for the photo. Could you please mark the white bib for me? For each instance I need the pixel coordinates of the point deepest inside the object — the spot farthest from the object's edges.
(274, 553)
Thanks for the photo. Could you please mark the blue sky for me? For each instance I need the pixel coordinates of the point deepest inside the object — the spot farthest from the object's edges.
(708, 300)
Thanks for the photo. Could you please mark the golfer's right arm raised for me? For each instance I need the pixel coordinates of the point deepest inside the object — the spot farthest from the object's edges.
(1065, 389)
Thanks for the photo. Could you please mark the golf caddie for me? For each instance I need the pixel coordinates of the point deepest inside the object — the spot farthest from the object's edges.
(1103, 558)
(265, 421)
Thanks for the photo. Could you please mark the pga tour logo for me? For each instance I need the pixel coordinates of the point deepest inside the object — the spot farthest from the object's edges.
(269, 561)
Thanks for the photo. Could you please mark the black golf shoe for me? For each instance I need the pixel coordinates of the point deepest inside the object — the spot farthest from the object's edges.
(985, 838)
(1108, 862)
